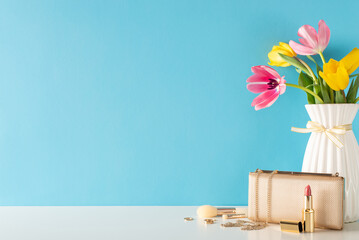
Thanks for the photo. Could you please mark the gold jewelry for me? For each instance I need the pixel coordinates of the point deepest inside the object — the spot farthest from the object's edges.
(258, 171)
(257, 225)
(246, 225)
(233, 216)
(269, 196)
(187, 219)
(209, 221)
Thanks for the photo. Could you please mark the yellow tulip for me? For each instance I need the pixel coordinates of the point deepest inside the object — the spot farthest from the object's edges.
(275, 59)
(351, 61)
(336, 74)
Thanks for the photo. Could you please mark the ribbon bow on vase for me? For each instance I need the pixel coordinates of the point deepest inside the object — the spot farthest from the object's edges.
(329, 132)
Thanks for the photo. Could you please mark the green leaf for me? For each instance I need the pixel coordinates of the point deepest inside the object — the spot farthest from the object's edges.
(324, 88)
(317, 90)
(353, 90)
(339, 97)
(310, 86)
(305, 81)
(311, 59)
(318, 68)
(294, 62)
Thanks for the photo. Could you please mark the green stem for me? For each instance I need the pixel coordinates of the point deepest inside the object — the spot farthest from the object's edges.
(322, 57)
(331, 95)
(306, 90)
(356, 100)
(309, 69)
(311, 59)
(343, 93)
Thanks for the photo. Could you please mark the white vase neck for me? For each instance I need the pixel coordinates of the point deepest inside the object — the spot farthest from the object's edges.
(331, 115)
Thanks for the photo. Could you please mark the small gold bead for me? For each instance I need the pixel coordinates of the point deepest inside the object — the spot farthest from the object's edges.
(209, 221)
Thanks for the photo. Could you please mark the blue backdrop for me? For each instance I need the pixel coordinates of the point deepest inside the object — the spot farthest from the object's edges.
(145, 102)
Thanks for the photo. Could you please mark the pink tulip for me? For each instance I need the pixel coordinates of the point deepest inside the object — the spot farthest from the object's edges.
(313, 42)
(268, 82)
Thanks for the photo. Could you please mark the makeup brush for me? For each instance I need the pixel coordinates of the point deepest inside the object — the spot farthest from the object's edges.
(208, 211)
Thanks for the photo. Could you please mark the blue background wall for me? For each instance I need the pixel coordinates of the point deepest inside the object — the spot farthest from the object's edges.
(145, 102)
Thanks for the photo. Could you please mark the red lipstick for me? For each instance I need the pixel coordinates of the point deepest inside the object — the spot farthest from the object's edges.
(307, 191)
(308, 211)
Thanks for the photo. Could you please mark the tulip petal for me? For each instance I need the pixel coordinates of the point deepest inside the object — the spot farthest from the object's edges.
(257, 88)
(256, 78)
(282, 87)
(330, 80)
(331, 66)
(342, 76)
(265, 71)
(276, 60)
(309, 34)
(288, 48)
(263, 96)
(300, 49)
(323, 35)
(267, 102)
(279, 64)
(330, 73)
(351, 61)
(305, 42)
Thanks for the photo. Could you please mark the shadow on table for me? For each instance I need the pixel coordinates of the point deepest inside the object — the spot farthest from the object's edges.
(349, 227)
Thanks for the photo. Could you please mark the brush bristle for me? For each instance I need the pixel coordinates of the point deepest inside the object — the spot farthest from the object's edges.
(206, 211)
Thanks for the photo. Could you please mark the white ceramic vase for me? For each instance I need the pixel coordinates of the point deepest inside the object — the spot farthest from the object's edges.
(323, 156)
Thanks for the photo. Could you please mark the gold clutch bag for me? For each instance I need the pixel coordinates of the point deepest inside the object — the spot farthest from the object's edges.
(275, 195)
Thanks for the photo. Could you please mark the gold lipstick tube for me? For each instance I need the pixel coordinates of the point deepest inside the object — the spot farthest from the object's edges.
(308, 214)
(291, 226)
(222, 211)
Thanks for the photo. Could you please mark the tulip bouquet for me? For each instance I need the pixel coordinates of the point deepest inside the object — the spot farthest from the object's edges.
(325, 85)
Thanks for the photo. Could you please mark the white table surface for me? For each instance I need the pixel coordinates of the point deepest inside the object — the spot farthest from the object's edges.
(150, 223)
